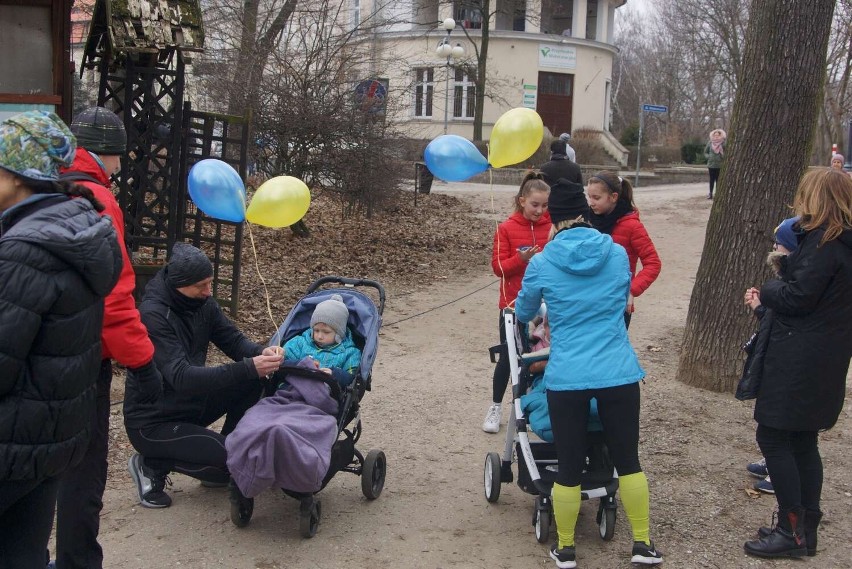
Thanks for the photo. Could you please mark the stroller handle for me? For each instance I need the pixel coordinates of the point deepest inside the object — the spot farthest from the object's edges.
(350, 282)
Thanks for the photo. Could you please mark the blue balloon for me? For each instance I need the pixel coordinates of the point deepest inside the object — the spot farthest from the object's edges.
(218, 190)
(454, 159)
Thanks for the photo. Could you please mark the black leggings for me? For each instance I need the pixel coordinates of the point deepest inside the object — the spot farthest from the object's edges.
(26, 518)
(794, 463)
(714, 177)
(190, 448)
(501, 370)
(618, 408)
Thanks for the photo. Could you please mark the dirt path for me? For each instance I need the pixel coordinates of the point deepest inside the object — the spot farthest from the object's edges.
(431, 388)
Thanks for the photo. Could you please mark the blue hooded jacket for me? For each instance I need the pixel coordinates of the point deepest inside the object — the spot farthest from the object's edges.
(584, 278)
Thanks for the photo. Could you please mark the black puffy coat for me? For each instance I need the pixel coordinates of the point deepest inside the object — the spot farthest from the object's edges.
(810, 343)
(182, 330)
(564, 168)
(58, 260)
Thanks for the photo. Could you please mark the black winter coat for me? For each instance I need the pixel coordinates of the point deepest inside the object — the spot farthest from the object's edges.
(810, 343)
(58, 260)
(182, 330)
(556, 169)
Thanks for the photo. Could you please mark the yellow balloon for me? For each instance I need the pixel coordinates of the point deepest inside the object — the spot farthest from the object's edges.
(515, 137)
(279, 202)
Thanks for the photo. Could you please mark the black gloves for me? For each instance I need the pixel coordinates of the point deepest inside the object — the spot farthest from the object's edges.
(147, 381)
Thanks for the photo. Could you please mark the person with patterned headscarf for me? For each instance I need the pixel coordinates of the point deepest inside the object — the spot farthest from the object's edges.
(715, 154)
(58, 260)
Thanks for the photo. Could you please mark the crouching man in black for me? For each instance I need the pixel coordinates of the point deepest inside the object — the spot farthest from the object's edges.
(170, 434)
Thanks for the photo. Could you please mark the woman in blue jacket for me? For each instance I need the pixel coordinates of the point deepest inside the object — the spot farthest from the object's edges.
(584, 278)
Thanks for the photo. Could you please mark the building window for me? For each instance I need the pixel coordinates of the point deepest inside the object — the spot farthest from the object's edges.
(356, 13)
(424, 90)
(464, 96)
(468, 14)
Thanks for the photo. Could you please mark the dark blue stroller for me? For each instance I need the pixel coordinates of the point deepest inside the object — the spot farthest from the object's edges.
(365, 320)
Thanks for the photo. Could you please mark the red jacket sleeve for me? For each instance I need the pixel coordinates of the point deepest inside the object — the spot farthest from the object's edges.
(124, 337)
(641, 242)
(505, 260)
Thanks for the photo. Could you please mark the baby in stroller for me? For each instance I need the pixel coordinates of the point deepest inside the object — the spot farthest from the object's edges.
(298, 437)
(534, 402)
(328, 342)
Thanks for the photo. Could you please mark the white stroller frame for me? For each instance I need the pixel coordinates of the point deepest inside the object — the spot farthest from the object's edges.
(499, 470)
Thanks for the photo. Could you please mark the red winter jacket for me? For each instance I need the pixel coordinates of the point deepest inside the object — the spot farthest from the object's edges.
(123, 337)
(517, 231)
(631, 234)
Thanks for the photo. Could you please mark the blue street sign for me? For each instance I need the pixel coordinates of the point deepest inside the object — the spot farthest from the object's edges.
(655, 108)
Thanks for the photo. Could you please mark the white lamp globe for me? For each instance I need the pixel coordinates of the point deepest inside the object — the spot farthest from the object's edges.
(449, 24)
(458, 51)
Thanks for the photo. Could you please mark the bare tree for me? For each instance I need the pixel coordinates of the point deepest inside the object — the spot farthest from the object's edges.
(776, 107)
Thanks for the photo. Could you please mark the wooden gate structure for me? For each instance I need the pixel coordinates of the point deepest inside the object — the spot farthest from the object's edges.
(141, 49)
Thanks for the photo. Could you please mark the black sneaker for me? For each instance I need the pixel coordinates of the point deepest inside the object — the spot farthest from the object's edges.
(150, 486)
(645, 554)
(565, 558)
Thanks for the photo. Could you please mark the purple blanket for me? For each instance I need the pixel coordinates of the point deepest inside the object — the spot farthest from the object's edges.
(285, 440)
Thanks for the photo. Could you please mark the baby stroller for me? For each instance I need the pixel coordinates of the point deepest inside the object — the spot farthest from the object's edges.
(365, 320)
(537, 463)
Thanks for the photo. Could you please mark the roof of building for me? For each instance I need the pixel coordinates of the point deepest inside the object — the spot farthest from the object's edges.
(145, 26)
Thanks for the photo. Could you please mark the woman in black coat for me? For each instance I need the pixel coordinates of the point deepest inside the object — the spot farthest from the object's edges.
(806, 360)
(58, 260)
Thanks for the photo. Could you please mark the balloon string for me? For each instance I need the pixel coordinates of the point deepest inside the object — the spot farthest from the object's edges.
(260, 276)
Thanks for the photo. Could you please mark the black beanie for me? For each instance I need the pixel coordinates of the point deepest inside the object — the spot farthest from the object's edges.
(187, 266)
(100, 131)
(567, 201)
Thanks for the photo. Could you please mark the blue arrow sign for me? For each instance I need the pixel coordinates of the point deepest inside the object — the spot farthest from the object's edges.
(655, 108)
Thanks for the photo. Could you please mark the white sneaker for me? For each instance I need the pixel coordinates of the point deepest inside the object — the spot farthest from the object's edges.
(492, 418)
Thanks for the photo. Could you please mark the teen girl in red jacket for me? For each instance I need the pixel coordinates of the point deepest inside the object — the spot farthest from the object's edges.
(517, 239)
(614, 213)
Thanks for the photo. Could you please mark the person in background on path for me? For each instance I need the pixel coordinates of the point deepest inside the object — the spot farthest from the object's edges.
(171, 433)
(516, 241)
(714, 152)
(569, 152)
(786, 241)
(837, 161)
(58, 261)
(805, 360)
(583, 277)
(614, 213)
(560, 167)
(101, 141)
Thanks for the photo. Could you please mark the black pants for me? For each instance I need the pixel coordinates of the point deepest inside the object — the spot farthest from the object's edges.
(618, 408)
(501, 370)
(81, 491)
(714, 177)
(190, 448)
(794, 463)
(26, 518)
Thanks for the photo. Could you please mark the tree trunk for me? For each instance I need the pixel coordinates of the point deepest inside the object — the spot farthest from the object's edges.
(772, 130)
(481, 70)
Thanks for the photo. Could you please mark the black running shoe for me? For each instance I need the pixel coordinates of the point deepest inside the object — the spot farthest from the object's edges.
(150, 486)
(565, 558)
(645, 554)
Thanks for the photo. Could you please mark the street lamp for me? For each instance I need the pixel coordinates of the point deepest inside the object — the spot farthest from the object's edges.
(445, 49)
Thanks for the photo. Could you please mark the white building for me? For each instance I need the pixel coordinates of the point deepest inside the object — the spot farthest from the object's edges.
(554, 56)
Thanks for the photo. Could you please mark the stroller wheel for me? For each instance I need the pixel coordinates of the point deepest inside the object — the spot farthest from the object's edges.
(373, 474)
(542, 519)
(241, 507)
(492, 477)
(606, 520)
(310, 511)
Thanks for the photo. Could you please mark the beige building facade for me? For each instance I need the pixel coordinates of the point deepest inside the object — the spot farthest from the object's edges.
(554, 56)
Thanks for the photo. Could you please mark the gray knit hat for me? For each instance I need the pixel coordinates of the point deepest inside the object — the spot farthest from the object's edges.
(187, 266)
(101, 131)
(332, 312)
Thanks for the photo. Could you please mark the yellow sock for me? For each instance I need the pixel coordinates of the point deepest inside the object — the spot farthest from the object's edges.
(566, 508)
(634, 497)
